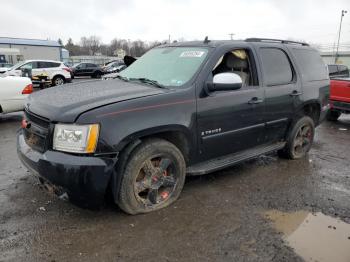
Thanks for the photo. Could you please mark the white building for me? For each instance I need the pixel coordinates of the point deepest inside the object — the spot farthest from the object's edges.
(14, 50)
(343, 58)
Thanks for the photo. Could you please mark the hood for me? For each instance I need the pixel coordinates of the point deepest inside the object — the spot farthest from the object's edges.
(65, 103)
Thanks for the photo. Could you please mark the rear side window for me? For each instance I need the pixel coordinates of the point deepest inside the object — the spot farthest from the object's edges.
(276, 67)
(44, 64)
(311, 64)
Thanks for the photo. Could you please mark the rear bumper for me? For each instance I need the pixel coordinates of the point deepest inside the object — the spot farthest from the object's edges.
(84, 178)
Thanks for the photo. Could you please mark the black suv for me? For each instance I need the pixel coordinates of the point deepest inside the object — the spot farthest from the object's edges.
(181, 109)
(87, 69)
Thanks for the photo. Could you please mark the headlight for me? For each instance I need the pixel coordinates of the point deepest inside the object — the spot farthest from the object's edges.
(76, 138)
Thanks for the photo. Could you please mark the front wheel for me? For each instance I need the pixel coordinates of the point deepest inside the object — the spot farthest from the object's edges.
(153, 177)
(300, 139)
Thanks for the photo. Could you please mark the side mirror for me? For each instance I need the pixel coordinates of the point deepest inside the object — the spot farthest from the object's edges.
(225, 82)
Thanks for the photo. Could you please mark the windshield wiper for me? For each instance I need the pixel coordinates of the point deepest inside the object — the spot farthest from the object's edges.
(148, 81)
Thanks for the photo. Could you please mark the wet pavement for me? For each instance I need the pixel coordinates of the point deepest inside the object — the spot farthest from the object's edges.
(268, 209)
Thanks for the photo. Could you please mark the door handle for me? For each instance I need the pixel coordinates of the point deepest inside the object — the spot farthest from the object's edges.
(295, 93)
(255, 100)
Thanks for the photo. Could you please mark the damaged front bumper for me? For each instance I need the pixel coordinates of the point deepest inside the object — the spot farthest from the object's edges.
(84, 178)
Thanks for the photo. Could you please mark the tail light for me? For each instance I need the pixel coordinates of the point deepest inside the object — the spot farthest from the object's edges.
(27, 90)
(67, 69)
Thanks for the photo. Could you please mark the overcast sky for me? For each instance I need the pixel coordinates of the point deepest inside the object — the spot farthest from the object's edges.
(314, 21)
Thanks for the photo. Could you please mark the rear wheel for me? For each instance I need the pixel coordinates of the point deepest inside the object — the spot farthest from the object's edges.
(153, 177)
(97, 75)
(58, 80)
(300, 139)
(333, 115)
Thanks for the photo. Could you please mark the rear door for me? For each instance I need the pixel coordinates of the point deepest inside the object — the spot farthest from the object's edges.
(90, 69)
(282, 90)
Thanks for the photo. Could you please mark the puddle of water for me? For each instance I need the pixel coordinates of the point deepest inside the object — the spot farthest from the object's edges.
(315, 237)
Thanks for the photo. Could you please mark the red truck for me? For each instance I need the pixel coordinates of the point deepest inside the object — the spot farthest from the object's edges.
(339, 98)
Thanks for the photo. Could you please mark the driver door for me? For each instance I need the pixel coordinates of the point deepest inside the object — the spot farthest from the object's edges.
(231, 121)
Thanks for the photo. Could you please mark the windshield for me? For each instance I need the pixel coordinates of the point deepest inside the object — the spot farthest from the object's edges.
(171, 66)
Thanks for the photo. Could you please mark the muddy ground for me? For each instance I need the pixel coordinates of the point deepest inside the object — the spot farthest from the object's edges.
(219, 217)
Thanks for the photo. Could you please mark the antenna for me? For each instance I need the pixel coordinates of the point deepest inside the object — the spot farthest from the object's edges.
(206, 40)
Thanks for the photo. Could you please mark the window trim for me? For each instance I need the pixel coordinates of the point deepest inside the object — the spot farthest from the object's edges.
(294, 74)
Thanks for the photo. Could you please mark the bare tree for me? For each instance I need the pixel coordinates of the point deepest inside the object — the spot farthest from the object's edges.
(91, 44)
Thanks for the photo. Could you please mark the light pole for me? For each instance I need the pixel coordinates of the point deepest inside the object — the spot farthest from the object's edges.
(231, 35)
(343, 12)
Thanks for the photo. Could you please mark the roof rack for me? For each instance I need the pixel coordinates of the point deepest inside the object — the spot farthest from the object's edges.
(276, 41)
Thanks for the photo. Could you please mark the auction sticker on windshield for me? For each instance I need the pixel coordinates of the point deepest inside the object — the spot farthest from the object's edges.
(192, 54)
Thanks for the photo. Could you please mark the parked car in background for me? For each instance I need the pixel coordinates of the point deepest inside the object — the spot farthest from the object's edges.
(337, 71)
(114, 61)
(57, 71)
(13, 92)
(87, 69)
(339, 98)
(114, 68)
(181, 109)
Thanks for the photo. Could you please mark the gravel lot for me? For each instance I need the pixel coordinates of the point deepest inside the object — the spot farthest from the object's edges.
(246, 213)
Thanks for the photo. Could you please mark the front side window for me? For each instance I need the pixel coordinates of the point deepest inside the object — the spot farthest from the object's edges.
(27, 66)
(240, 62)
(276, 67)
(169, 66)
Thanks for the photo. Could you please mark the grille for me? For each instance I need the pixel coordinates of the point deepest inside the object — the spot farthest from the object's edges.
(37, 132)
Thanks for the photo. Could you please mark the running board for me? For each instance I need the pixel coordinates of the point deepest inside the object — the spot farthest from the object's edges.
(232, 159)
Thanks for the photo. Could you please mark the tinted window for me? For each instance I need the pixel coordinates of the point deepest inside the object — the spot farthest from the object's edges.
(276, 66)
(91, 65)
(332, 69)
(311, 64)
(43, 64)
(343, 69)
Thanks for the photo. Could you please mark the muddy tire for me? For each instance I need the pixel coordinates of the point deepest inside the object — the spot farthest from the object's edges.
(333, 115)
(153, 177)
(300, 139)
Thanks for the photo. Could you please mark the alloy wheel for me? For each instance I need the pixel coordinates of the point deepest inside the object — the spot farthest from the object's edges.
(156, 181)
(303, 140)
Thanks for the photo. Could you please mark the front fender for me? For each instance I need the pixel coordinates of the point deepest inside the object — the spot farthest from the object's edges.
(126, 121)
